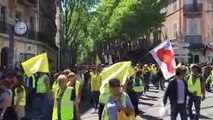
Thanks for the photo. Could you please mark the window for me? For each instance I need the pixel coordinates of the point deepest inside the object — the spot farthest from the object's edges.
(174, 31)
(32, 23)
(193, 26)
(196, 58)
(2, 13)
(174, 5)
(25, 56)
(18, 17)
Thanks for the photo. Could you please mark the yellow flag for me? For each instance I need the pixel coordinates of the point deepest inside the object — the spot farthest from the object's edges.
(179, 65)
(132, 71)
(36, 64)
(119, 70)
(97, 61)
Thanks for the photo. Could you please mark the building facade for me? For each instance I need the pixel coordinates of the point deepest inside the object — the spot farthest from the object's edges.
(188, 25)
(40, 36)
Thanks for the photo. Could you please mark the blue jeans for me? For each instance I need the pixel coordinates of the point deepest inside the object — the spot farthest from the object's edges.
(42, 104)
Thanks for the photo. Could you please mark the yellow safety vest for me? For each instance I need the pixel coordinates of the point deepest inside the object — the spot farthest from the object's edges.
(194, 87)
(104, 97)
(106, 112)
(104, 94)
(188, 70)
(55, 86)
(212, 77)
(95, 82)
(33, 80)
(77, 88)
(67, 106)
(139, 88)
(22, 102)
(41, 87)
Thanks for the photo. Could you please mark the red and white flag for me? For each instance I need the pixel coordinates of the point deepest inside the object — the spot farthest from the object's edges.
(164, 56)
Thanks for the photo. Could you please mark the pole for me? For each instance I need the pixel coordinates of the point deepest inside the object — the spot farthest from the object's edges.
(11, 48)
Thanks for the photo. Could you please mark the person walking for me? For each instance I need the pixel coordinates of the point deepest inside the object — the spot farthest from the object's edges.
(7, 112)
(95, 86)
(138, 82)
(64, 100)
(196, 85)
(19, 97)
(177, 93)
(119, 102)
(146, 77)
(43, 93)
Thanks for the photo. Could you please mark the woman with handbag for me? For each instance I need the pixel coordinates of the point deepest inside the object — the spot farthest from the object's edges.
(119, 105)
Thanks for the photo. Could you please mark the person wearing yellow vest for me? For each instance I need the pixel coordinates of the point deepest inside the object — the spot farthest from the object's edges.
(19, 96)
(209, 81)
(138, 82)
(20, 100)
(95, 86)
(119, 104)
(43, 93)
(103, 98)
(64, 100)
(76, 85)
(196, 85)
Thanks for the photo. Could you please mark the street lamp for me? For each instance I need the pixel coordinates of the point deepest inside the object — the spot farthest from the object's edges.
(19, 29)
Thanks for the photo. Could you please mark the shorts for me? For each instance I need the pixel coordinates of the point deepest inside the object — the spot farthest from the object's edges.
(20, 111)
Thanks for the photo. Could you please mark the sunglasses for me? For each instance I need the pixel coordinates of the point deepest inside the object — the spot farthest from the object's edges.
(115, 85)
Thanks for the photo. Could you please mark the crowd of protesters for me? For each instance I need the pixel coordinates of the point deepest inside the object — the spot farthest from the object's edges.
(58, 96)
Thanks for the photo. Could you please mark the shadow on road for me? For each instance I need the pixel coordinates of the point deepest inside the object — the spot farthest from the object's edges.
(154, 91)
(148, 104)
(205, 117)
(149, 117)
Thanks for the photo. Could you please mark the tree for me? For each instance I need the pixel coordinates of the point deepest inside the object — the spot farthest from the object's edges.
(75, 19)
(125, 21)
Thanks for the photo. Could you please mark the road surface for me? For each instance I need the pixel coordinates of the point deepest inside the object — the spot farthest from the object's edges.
(151, 104)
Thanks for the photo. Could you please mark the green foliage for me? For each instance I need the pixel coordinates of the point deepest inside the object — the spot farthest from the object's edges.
(86, 31)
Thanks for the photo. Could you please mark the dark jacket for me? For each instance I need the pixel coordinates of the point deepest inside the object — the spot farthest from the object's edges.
(171, 92)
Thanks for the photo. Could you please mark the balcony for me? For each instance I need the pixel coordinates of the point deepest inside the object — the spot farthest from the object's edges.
(195, 8)
(195, 42)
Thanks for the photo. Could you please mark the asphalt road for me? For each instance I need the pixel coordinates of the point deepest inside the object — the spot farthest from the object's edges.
(150, 106)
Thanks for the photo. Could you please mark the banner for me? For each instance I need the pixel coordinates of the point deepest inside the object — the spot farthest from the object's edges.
(164, 56)
(36, 64)
(97, 61)
(118, 70)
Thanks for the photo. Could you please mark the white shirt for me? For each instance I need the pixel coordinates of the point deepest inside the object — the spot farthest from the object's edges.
(180, 92)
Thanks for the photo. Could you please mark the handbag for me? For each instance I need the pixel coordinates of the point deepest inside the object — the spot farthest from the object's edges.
(121, 115)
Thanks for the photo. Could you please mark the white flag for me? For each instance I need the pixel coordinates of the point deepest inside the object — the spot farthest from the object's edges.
(164, 56)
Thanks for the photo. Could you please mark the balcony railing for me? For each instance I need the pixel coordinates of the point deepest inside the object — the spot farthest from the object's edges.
(194, 8)
(195, 41)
